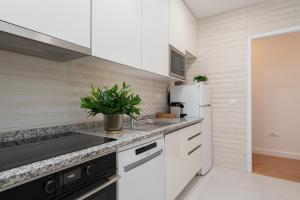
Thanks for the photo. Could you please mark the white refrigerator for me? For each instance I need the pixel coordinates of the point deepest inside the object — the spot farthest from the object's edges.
(197, 103)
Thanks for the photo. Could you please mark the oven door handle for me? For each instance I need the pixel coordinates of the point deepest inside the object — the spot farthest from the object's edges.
(111, 179)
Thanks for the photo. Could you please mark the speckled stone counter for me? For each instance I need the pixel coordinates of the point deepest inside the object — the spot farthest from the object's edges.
(16, 176)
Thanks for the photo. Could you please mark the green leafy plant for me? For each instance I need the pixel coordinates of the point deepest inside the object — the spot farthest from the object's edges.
(112, 101)
(200, 78)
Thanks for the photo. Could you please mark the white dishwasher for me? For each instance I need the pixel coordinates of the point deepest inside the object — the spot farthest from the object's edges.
(142, 172)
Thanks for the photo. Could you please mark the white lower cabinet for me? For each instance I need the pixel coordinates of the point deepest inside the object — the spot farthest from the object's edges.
(183, 158)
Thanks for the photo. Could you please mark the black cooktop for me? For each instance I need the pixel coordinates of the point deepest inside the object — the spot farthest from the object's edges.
(37, 150)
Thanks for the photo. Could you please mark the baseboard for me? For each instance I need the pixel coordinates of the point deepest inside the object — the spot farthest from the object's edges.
(283, 154)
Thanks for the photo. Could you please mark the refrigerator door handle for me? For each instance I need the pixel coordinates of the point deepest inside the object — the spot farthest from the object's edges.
(207, 105)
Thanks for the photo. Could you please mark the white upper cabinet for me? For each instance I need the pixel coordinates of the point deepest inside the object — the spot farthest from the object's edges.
(183, 27)
(155, 36)
(176, 24)
(116, 31)
(68, 20)
(191, 33)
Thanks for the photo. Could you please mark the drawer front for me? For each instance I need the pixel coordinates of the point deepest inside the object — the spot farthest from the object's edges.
(183, 158)
(191, 137)
(190, 131)
(194, 141)
(194, 162)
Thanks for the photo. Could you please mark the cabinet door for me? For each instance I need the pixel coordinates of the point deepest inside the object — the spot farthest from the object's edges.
(68, 20)
(116, 32)
(183, 27)
(155, 39)
(183, 158)
(177, 22)
(191, 33)
(194, 162)
(176, 165)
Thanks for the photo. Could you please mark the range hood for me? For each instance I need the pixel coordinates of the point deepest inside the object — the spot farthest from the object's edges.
(25, 41)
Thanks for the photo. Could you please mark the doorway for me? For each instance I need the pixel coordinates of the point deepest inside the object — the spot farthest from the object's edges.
(275, 107)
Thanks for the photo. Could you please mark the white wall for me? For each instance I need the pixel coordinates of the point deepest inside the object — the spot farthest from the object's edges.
(276, 95)
(222, 44)
(36, 92)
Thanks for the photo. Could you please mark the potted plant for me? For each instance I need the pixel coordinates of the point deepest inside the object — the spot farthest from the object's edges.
(200, 78)
(113, 103)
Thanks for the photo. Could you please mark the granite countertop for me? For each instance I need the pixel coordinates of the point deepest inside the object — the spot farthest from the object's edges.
(19, 175)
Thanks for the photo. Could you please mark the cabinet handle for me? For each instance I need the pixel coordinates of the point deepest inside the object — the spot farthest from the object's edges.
(194, 136)
(189, 153)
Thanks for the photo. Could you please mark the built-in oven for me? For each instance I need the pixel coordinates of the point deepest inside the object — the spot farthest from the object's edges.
(92, 180)
(177, 64)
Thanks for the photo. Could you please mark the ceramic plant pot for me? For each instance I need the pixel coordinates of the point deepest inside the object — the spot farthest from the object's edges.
(113, 123)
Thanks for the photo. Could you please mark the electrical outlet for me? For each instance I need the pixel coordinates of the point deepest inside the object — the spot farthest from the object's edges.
(273, 134)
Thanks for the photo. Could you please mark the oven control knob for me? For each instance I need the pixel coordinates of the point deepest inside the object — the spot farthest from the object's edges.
(50, 186)
(90, 169)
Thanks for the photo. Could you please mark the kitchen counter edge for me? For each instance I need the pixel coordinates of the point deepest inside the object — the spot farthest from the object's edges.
(17, 176)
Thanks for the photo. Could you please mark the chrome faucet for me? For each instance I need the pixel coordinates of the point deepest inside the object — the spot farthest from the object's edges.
(132, 122)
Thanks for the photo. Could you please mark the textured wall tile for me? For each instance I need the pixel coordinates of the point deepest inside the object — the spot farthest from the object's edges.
(39, 93)
(222, 43)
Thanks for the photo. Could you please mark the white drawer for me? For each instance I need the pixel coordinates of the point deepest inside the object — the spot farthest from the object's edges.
(191, 137)
(190, 131)
(194, 162)
(194, 141)
(183, 158)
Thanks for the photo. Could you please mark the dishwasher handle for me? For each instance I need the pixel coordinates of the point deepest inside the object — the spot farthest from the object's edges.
(145, 148)
(142, 161)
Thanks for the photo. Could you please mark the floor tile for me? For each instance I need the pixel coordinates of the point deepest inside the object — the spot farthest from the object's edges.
(278, 187)
(228, 184)
(221, 191)
(238, 178)
(266, 196)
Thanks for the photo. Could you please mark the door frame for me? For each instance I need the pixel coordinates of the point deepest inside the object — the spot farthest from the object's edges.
(249, 83)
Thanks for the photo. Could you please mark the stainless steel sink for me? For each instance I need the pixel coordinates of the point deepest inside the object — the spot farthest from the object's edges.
(153, 122)
(150, 124)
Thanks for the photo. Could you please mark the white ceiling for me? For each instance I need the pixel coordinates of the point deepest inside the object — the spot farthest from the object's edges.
(206, 8)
